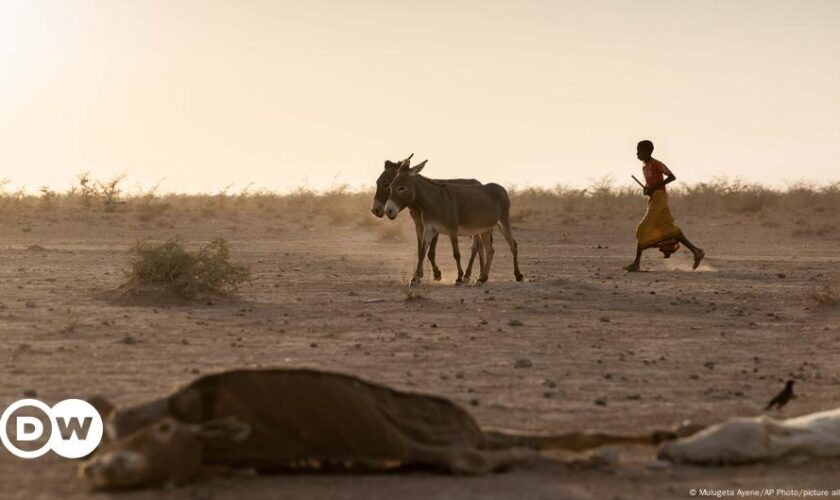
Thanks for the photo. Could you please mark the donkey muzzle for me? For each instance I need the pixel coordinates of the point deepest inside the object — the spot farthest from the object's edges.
(377, 209)
(391, 210)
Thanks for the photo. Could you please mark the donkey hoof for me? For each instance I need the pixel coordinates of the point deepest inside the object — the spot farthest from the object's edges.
(459, 282)
(518, 276)
(437, 275)
(414, 281)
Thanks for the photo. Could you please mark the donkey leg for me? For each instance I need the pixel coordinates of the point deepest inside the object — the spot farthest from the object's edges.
(456, 252)
(487, 242)
(474, 248)
(432, 247)
(482, 258)
(428, 234)
(504, 227)
(418, 229)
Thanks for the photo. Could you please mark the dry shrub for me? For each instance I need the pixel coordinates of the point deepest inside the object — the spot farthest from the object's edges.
(601, 196)
(149, 211)
(521, 215)
(86, 191)
(150, 206)
(187, 274)
(71, 322)
(48, 197)
(110, 193)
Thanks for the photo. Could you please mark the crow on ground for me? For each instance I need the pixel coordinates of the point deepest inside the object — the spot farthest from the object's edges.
(781, 398)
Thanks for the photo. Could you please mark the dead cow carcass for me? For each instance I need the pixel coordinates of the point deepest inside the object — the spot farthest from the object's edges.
(756, 439)
(275, 420)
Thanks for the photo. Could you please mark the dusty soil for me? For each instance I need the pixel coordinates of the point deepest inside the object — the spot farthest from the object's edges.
(653, 348)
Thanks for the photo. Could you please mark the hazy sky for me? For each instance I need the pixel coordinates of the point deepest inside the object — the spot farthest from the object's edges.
(287, 93)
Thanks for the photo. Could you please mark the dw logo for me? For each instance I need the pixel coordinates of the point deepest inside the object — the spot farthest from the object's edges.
(75, 428)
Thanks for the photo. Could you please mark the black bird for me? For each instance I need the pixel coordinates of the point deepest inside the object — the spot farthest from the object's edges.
(782, 398)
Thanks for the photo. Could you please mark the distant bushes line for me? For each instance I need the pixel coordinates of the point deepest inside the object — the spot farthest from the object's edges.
(340, 205)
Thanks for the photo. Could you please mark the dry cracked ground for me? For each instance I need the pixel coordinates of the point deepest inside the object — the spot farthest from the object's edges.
(580, 344)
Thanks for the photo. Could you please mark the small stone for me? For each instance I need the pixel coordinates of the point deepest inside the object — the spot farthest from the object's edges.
(128, 339)
(460, 375)
(605, 319)
(30, 393)
(601, 401)
(30, 304)
(475, 402)
(515, 322)
(523, 363)
(781, 275)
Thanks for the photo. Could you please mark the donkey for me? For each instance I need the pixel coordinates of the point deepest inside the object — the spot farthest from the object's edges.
(380, 197)
(453, 209)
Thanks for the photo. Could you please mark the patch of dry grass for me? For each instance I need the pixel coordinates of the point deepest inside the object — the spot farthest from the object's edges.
(71, 322)
(188, 274)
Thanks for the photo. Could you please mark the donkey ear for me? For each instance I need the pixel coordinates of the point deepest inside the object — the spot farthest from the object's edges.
(417, 168)
(407, 161)
(391, 165)
(228, 429)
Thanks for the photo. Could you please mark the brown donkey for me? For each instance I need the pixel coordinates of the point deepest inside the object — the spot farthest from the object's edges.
(380, 197)
(454, 210)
